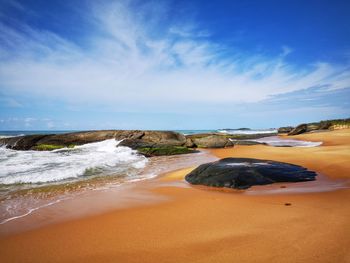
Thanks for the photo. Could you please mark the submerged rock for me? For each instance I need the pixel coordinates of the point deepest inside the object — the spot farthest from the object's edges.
(242, 173)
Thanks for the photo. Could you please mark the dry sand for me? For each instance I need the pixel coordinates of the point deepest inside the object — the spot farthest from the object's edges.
(199, 224)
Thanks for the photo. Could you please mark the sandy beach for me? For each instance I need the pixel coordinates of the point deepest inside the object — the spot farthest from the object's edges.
(200, 224)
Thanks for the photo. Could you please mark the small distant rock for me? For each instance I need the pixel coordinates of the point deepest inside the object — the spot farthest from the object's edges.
(285, 129)
(299, 129)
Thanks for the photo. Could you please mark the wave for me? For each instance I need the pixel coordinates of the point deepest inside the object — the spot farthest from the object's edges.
(278, 142)
(100, 158)
(9, 136)
(247, 131)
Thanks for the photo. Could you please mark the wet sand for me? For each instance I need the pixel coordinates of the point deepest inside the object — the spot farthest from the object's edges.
(199, 224)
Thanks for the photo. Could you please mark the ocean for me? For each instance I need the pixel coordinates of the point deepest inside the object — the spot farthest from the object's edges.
(33, 179)
(30, 180)
(33, 168)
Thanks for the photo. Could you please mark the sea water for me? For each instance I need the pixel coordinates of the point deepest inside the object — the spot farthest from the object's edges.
(31, 180)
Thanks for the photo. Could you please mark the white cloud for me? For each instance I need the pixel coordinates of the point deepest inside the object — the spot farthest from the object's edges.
(130, 59)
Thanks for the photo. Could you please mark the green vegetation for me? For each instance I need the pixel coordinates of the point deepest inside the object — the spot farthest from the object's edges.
(163, 150)
(332, 122)
(51, 147)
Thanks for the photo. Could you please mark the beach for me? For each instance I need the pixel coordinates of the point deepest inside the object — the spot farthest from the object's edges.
(184, 223)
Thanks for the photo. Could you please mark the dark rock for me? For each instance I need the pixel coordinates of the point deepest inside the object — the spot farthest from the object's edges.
(242, 173)
(164, 138)
(135, 144)
(324, 125)
(285, 129)
(189, 143)
(318, 126)
(159, 141)
(23, 142)
(211, 141)
(299, 129)
(164, 150)
(76, 138)
(243, 142)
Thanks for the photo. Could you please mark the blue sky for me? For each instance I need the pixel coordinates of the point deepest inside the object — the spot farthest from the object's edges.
(75, 65)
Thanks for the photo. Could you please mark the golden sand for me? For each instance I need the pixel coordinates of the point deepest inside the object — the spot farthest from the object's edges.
(201, 225)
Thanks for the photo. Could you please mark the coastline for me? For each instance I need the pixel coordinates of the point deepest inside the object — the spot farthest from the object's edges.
(187, 224)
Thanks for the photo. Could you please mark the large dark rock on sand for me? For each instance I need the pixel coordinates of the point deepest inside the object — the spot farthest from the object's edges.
(242, 173)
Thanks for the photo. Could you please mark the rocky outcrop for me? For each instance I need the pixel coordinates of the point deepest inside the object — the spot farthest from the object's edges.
(242, 173)
(210, 141)
(317, 126)
(156, 143)
(299, 129)
(133, 138)
(22, 142)
(285, 129)
(31, 142)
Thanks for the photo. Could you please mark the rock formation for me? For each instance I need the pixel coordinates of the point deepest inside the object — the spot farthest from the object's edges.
(242, 173)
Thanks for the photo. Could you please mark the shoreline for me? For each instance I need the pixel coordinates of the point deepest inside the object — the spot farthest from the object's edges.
(209, 225)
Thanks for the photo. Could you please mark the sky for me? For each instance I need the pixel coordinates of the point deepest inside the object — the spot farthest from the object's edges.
(77, 65)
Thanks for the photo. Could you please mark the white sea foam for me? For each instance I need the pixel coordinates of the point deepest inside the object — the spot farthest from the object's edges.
(248, 131)
(30, 211)
(44, 166)
(277, 141)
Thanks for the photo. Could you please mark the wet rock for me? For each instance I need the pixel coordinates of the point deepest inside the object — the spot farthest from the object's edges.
(22, 142)
(132, 138)
(164, 150)
(242, 173)
(243, 142)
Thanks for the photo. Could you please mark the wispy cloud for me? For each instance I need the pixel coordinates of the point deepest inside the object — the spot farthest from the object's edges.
(131, 57)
